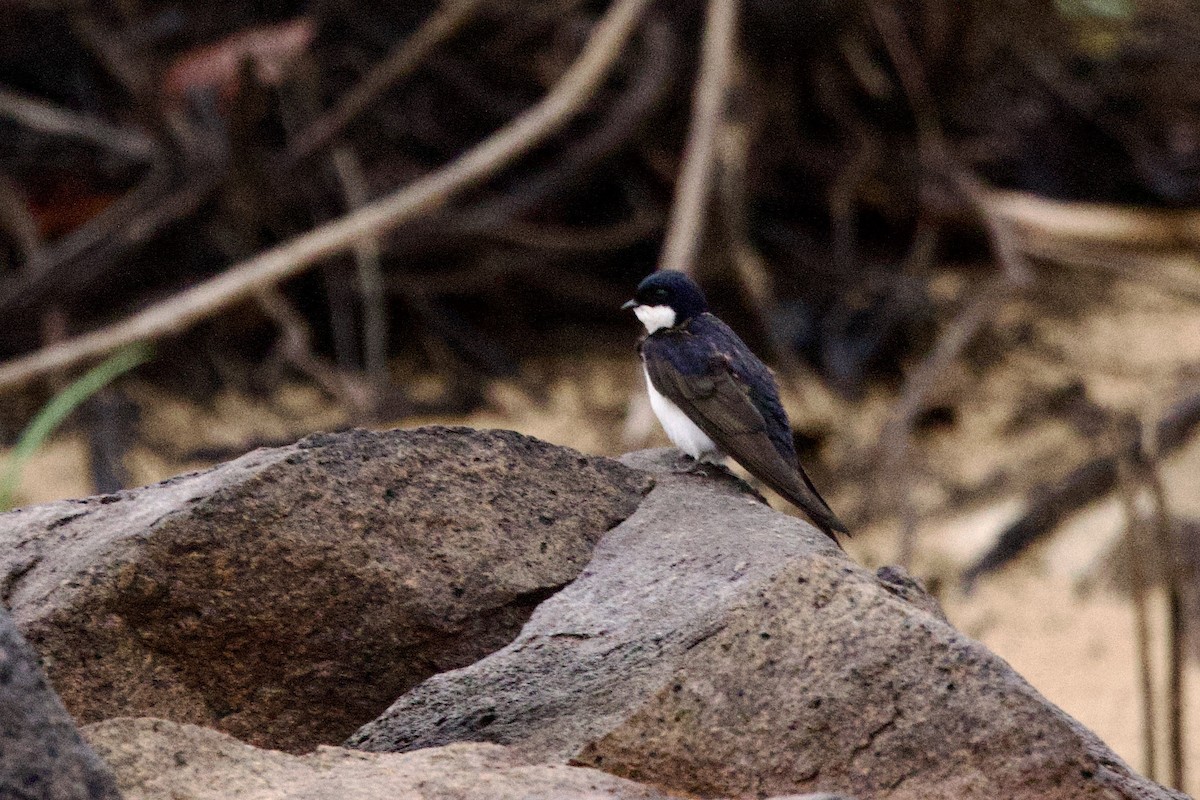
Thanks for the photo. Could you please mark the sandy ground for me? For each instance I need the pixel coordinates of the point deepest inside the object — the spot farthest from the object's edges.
(1076, 649)
(1055, 617)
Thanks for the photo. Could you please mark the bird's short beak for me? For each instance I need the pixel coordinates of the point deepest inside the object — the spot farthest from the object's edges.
(629, 305)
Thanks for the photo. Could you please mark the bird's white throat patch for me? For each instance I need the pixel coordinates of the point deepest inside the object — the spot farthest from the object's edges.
(655, 317)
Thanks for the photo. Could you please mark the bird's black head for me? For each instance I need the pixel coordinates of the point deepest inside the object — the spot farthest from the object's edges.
(666, 299)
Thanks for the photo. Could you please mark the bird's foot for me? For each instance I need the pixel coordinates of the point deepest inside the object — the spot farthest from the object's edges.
(713, 470)
(703, 467)
(684, 464)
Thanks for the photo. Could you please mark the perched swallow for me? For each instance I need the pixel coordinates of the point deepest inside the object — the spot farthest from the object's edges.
(714, 397)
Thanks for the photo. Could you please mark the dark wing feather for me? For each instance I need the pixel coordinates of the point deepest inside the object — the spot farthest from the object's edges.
(720, 407)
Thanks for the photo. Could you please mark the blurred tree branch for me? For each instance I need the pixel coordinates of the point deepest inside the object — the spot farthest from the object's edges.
(244, 280)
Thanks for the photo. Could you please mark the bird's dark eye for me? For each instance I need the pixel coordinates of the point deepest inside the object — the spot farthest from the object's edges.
(661, 294)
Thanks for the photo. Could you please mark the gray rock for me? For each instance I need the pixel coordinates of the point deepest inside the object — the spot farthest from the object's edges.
(42, 756)
(715, 647)
(288, 596)
(159, 760)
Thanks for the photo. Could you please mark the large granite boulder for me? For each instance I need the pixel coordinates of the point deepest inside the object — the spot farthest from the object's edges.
(42, 756)
(288, 596)
(716, 647)
(159, 760)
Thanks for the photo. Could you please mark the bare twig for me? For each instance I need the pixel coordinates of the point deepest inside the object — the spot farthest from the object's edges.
(922, 380)
(843, 193)
(400, 63)
(38, 115)
(182, 173)
(108, 48)
(737, 136)
(1168, 556)
(44, 262)
(135, 217)
(1086, 484)
(686, 228)
(649, 83)
(1105, 224)
(499, 218)
(1003, 239)
(295, 346)
(370, 272)
(133, 71)
(936, 151)
(16, 220)
(1174, 275)
(581, 239)
(1138, 549)
(244, 280)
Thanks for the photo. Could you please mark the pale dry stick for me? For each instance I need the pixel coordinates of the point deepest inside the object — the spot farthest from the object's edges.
(651, 71)
(371, 288)
(747, 262)
(1005, 243)
(1168, 273)
(1103, 224)
(181, 173)
(924, 247)
(185, 172)
(752, 272)
(686, 227)
(1137, 547)
(402, 61)
(42, 117)
(295, 346)
(1168, 555)
(241, 282)
(133, 70)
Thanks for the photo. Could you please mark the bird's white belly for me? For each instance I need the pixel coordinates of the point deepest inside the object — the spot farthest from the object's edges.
(682, 432)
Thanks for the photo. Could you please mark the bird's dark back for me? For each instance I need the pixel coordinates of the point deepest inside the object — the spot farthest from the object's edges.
(695, 347)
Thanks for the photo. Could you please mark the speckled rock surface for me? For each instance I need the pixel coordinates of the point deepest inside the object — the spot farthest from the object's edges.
(42, 756)
(159, 760)
(716, 647)
(290, 595)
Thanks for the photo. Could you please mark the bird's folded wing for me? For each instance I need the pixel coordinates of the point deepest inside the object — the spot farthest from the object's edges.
(720, 407)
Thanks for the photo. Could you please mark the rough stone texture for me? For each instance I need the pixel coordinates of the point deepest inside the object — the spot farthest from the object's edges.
(716, 647)
(160, 760)
(288, 596)
(42, 756)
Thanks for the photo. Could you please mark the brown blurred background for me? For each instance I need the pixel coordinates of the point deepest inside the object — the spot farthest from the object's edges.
(965, 234)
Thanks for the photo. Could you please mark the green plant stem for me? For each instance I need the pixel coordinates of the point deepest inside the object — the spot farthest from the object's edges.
(59, 408)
